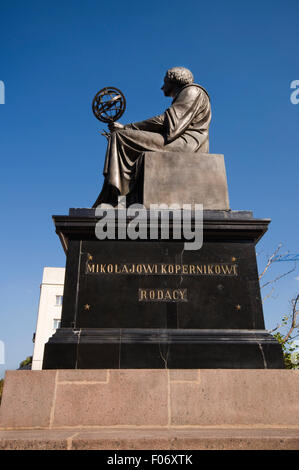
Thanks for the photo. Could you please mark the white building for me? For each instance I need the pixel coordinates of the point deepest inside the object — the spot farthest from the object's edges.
(49, 311)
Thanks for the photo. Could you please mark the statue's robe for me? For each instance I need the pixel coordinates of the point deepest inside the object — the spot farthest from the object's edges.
(184, 127)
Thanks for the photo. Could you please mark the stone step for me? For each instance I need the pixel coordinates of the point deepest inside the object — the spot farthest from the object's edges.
(117, 439)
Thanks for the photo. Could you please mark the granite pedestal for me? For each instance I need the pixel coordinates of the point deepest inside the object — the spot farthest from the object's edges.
(152, 304)
(150, 409)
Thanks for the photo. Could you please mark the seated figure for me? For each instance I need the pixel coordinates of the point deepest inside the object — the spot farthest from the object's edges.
(183, 127)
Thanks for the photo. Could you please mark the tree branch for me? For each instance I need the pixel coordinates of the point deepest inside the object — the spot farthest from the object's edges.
(279, 277)
(270, 260)
(294, 318)
(268, 295)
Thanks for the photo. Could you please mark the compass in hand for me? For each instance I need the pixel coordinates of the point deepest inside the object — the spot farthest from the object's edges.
(109, 104)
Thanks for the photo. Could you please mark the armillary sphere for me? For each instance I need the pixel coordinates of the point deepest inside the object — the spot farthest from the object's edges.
(109, 104)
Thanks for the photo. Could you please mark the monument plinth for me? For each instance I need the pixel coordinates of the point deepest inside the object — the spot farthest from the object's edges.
(151, 320)
(153, 304)
(166, 332)
(151, 301)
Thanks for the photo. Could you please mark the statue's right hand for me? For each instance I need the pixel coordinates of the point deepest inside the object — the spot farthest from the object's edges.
(113, 126)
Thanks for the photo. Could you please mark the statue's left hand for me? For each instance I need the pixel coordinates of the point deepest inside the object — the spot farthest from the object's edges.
(113, 126)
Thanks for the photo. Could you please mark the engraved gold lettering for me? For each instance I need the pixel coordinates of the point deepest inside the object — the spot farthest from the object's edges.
(90, 268)
(110, 268)
(217, 269)
(177, 268)
(152, 294)
(175, 294)
(167, 295)
(132, 270)
(226, 269)
(160, 295)
(139, 268)
(182, 293)
(142, 294)
(148, 268)
(164, 269)
(116, 269)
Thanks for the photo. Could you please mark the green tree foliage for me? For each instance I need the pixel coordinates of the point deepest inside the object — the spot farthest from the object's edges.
(26, 361)
(291, 358)
(289, 322)
(289, 347)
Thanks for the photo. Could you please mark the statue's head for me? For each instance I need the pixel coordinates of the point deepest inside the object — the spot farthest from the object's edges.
(180, 76)
(175, 78)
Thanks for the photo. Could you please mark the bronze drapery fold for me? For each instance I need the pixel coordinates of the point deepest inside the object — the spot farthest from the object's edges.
(184, 127)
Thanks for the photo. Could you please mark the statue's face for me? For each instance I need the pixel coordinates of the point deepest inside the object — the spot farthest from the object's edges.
(168, 88)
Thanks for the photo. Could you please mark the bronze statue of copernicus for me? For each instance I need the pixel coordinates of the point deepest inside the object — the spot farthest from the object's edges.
(183, 127)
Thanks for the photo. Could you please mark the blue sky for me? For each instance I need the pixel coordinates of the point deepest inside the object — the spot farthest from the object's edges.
(54, 57)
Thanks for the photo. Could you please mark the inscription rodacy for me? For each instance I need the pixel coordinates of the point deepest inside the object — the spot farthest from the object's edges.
(162, 295)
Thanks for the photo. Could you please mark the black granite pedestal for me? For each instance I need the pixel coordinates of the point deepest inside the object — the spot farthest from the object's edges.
(153, 304)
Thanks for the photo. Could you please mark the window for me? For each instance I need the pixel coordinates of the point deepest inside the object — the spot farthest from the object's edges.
(59, 300)
(56, 324)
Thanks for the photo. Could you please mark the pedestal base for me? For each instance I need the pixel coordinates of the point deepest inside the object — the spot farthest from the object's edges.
(149, 398)
(152, 303)
(158, 349)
